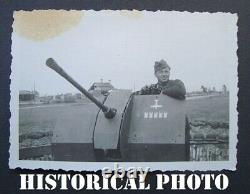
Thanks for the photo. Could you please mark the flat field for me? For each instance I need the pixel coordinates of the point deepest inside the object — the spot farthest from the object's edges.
(214, 108)
(43, 119)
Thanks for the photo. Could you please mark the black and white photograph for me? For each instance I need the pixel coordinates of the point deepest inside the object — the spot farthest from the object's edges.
(138, 88)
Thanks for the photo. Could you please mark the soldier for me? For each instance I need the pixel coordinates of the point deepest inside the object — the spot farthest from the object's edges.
(172, 88)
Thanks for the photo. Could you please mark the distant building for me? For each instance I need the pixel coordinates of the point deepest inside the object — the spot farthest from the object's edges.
(69, 98)
(25, 95)
(101, 87)
(46, 99)
(59, 98)
(78, 96)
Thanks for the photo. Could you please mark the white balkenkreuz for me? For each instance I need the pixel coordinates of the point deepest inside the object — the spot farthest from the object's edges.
(155, 114)
(156, 105)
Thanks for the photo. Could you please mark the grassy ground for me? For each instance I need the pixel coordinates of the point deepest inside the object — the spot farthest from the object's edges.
(210, 109)
(34, 121)
(209, 118)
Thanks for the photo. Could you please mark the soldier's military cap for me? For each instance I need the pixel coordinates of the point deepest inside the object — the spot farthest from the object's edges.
(159, 65)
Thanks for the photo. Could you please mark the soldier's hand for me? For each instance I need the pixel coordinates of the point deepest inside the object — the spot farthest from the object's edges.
(145, 88)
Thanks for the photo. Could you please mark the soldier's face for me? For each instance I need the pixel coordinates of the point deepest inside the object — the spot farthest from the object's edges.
(163, 75)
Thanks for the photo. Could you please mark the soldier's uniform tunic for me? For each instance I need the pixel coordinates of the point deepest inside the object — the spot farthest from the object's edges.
(172, 88)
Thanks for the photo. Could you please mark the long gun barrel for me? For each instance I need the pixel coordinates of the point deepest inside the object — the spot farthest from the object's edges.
(108, 112)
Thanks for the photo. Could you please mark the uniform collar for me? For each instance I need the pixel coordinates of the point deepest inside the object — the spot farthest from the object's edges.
(161, 85)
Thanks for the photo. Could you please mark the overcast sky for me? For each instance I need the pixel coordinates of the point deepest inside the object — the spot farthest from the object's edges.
(199, 47)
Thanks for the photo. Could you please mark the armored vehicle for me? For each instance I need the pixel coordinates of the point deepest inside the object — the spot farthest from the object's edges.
(124, 127)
